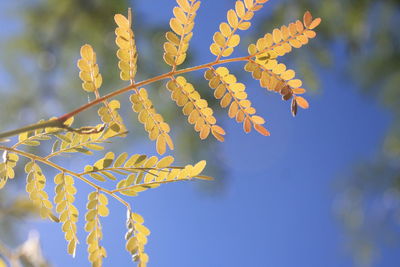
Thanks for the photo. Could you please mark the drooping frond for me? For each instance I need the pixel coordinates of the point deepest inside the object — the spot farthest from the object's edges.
(136, 238)
(97, 207)
(35, 184)
(226, 39)
(196, 108)
(232, 94)
(153, 122)
(276, 77)
(182, 25)
(92, 80)
(281, 41)
(127, 52)
(89, 70)
(64, 199)
(7, 167)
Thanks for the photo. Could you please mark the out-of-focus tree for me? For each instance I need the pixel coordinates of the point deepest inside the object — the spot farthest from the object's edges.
(368, 201)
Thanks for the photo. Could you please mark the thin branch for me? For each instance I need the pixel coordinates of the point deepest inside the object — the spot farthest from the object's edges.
(59, 122)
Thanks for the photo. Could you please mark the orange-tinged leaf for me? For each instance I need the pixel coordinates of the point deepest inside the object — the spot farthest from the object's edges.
(204, 132)
(218, 136)
(310, 34)
(299, 91)
(307, 19)
(261, 129)
(249, 3)
(218, 129)
(315, 23)
(302, 102)
(247, 125)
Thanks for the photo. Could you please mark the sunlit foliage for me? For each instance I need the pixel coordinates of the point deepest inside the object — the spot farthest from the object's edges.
(131, 175)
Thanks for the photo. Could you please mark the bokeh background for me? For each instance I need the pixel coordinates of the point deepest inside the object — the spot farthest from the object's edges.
(322, 190)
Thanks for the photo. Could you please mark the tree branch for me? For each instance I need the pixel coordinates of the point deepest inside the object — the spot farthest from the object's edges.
(59, 122)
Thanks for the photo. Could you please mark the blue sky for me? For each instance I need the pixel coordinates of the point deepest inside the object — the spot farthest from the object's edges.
(277, 207)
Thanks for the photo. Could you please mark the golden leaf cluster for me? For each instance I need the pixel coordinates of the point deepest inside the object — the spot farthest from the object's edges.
(182, 25)
(35, 184)
(225, 40)
(97, 207)
(89, 69)
(64, 199)
(92, 80)
(197, 109)
(136, 238)
(275, 77)
(153, 122)
(7, 167)
(281, 41)
(134, 174)
(127, 53)
(232, 94)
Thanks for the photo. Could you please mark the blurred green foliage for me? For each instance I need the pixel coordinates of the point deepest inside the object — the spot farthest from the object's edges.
(369, 196)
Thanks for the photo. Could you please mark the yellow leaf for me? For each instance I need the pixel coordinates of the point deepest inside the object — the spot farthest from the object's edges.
(277, 35)
(232, 18)
(165, 162)
(121, 21)
(176, 26)
(244, 25)
(234, 40)
(295, 83)
(257, 119)
(87, 52)
(161, 144)
(198, 168)
(240, 9)
(315, 23)
(225, 29)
